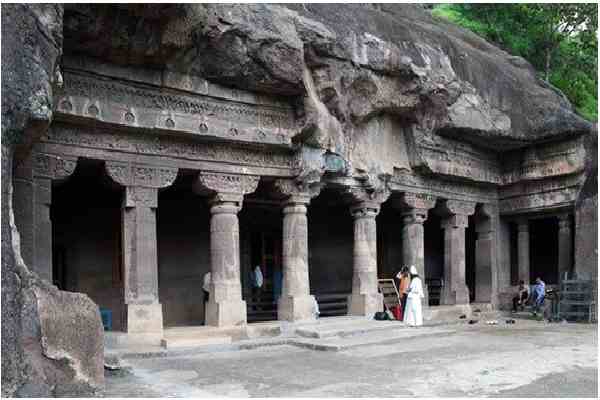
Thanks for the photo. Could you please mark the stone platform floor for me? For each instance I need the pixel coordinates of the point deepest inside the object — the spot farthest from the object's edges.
(526, 359)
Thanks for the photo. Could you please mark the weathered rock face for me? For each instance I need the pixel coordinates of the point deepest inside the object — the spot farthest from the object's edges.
(351, 68)
(51, 340)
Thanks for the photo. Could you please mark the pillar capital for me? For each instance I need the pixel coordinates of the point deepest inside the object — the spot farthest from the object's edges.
(296, 191)
(139, 196)
(137, 174)
(523, 225)
(419, 201)
(365, 209)
(414, 216)
(53, 167)
(455, 221)
(564, 221)
(457, 207)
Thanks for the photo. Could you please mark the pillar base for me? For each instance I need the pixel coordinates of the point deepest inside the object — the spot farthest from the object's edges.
(145, 319)
(296, 308)
(365, 304)
(226, 313)
(455, 297)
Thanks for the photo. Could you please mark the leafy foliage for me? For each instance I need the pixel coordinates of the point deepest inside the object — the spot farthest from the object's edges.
(559, 40)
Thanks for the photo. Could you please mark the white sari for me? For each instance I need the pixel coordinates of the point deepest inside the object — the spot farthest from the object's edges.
(414, 310)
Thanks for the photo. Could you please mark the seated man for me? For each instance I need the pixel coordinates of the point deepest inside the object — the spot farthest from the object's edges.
(539, 293)
(521, 297)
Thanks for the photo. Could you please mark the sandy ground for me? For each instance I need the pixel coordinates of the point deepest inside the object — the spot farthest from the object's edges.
(526, 359)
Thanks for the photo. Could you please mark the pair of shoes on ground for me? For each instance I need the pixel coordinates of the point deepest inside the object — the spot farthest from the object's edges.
(492, 322)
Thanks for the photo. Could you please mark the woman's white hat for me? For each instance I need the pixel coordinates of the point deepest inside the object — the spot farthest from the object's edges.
(413, 270)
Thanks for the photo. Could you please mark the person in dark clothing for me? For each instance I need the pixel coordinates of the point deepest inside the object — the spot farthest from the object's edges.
(522, 296)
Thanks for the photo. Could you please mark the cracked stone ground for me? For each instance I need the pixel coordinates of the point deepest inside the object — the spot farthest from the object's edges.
(527, 359)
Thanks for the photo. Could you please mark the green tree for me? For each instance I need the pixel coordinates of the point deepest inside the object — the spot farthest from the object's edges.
(559, 40)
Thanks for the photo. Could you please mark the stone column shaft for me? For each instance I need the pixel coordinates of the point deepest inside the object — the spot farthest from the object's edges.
(455, 290)
(365, 299)
(565, 246)
(486, 277)
(295, 303)
(523, 250)
(140, 262)
(43, 228)
(413, 244)
(225, 306)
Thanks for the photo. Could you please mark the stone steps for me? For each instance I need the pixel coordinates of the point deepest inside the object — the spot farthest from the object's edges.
(373, 338)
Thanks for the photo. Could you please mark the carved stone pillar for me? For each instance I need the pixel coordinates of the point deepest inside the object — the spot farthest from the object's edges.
(296, 302)
(565, 246)
(414, 209)
(486, 274)
(365, 299)
(455, 289)
(33, 193)
(225, 306)
(523, 250)
(140, 260)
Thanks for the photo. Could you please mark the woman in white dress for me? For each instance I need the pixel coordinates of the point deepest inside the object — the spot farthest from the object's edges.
(414, 310)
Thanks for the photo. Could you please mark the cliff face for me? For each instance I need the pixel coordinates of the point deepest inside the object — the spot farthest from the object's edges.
(51, 340)
(355, 73)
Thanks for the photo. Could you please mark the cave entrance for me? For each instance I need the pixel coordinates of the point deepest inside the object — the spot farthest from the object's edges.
(183, 250)
(261, 222)
(330, 252)
(434, 257)
(543, 250)
(86, 238)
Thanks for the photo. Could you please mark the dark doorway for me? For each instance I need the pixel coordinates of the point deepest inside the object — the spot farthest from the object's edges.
(330, 249)
(86, 226)
(543, 250)
(470, 268)
(434, 258)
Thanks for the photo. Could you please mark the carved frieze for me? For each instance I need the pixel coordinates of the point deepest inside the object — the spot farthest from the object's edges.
(406, 181)
(168, 146)
(156, 108)
(53, 167)
(450, 157)
(545, 160)
(536, 195)
(133, 174)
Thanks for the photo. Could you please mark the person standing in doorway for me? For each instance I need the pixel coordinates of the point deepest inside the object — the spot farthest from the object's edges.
(538, 296)
(404, 278)
(257, 283)
(414, 309)
(206, 286)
